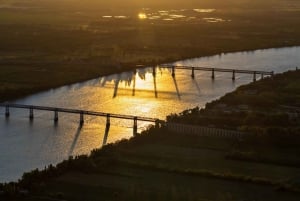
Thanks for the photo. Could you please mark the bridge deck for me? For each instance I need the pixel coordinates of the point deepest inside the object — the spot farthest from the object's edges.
(84, 112)
(219, 69)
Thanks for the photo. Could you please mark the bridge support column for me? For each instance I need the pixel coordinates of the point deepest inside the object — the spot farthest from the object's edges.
(193, 73)
(233, 75)
(106, 129)
(272, 74)
(108, 120)
(173, 71)
(135, 126)
(254, 76)
(153, 71)
(7, 111)
(262, 76)
(213, 74)
(55, 116)
(81, 122)
(31, 113)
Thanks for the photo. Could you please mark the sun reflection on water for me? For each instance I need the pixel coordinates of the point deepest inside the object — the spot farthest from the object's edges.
(142, 16)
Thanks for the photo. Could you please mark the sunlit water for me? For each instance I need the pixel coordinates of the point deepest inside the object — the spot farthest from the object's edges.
(173, 15)
(26, 145)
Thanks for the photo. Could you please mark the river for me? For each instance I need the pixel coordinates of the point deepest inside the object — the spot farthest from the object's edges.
(26, 145)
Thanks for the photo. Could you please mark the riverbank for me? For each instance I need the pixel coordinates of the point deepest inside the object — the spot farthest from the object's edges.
(40, 52)
(160, 165)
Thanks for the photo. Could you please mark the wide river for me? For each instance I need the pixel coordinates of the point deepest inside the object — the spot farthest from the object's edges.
(26, 145)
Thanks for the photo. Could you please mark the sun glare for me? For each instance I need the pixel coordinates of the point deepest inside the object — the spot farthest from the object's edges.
(142, 16)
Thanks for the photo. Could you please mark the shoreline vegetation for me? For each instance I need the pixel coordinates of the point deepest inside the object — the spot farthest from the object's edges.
(160, 165)
(47, 44)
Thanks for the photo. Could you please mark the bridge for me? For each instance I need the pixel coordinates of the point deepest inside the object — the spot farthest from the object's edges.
(81, 113)
(214, 70)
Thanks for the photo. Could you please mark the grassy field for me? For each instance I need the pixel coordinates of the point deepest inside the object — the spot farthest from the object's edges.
(45, 44)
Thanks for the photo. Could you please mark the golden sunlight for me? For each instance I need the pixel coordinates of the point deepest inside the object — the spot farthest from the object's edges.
(142, 16)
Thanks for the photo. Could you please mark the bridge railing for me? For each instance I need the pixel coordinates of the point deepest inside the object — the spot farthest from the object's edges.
(213, 70)
(204, 131)
(76, 111)
(56, 110)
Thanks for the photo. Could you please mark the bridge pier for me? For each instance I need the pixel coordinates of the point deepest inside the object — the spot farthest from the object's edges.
(107, 120)
(213, 74)
(173, 71)
(31, 113)
(55, 116)
(233, 75)
(81, 122)
(262, 76)
(7, 111)
(106, 129)
(193, 73)
(254, 76)
(153, 71)
(134, 126)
